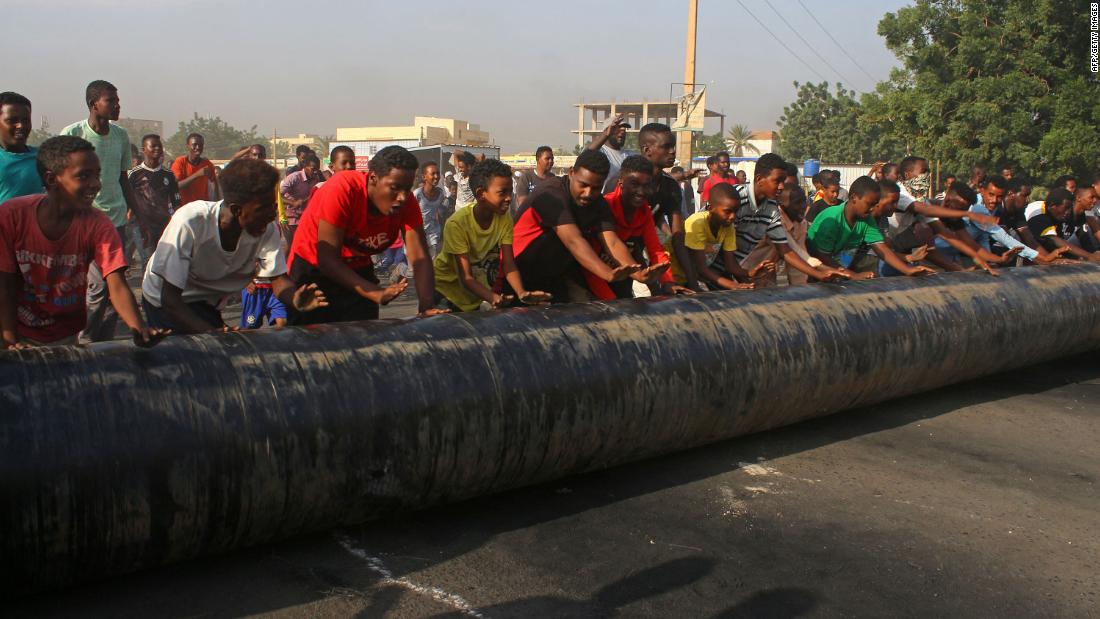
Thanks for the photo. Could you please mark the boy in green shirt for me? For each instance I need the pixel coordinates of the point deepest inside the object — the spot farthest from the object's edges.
(850, 224)
(477, 242)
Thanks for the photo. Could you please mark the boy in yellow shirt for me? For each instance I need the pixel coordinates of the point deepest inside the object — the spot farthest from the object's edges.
(477, 243)
(710, 239)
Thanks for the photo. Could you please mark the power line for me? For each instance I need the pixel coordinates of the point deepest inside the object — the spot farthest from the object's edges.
(780, 41)
(837, 43)
(800, 38)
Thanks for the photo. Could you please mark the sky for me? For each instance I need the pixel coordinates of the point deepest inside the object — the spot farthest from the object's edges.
(515, 68)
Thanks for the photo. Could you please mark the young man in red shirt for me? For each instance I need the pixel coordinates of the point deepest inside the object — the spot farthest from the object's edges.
(47, 243)
(629, 205)
(195, 174)
(349, 219)
(721, 175)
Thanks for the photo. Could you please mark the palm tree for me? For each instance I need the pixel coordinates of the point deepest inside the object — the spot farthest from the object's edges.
(737, 140)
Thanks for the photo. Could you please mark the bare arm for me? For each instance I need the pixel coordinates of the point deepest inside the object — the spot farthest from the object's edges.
(416, 251)
(304, 298)
(683, 257)
(709, 275)
(932, 210)
(469, 282)
(1073, 249)
(330, 240)
(792, 259)
(122, 298)
(601, 139)
(187, 182)
(891, 258)
(182, 316)
(960, 246)
(574, 241)
(127, 194)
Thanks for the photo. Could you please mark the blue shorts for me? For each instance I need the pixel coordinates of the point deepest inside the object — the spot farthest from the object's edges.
(260, 305)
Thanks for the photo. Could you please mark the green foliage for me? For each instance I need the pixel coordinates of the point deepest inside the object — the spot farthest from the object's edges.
(40, 133)
(737, 142)
(992, 82)
(825, 125)
(222, 140)
(982, 82)
(707, 145)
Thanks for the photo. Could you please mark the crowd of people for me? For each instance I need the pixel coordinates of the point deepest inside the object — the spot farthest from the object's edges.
(332, 243)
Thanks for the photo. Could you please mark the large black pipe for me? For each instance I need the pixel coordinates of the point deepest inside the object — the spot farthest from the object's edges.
(114, 458)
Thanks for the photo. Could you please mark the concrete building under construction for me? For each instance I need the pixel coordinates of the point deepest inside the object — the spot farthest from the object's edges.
(592, 116)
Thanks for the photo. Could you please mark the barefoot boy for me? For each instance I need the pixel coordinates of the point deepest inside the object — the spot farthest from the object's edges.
(47, 243)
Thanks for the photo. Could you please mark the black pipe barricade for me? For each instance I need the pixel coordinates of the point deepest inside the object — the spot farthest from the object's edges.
(114, 458)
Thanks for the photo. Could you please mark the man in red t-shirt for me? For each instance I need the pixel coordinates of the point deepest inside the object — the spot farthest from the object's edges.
(47, 243)
(629, 205)
(349, 219)
(720, 176)
(195, 174)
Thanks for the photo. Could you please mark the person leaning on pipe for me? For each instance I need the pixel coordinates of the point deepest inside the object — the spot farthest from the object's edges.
(846, 226)
(210, 250)
(352, 217)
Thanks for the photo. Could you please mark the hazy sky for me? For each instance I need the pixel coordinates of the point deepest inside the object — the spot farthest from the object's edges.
(515, 68)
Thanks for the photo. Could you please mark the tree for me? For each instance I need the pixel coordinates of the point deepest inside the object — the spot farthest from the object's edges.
(222, 140)
(737, 140)
(824, 125)
(991, 83)
(40, 133)
(703, 144)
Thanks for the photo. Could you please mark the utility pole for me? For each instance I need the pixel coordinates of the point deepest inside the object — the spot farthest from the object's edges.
(683, 138)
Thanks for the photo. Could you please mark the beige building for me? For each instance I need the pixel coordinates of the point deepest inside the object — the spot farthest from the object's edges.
(138, 127)
(425, 131)
(764, 141)
(289, 143)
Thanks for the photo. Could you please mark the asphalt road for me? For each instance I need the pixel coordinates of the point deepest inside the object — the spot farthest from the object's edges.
(976, 500)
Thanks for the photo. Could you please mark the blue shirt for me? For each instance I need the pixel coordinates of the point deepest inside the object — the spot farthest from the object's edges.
(984, 233)
(19, 174)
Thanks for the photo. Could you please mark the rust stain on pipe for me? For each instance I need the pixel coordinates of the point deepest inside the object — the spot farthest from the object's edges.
(114, 459)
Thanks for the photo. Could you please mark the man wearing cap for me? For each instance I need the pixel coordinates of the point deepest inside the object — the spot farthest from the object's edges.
(610, 142)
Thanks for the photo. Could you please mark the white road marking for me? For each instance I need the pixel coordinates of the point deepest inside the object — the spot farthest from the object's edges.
(377, 566)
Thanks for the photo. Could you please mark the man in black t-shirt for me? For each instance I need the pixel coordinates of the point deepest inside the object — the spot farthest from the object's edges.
(658, 145)
(556, 225)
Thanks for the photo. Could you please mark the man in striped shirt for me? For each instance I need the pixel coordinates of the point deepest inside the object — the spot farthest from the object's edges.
(759, 221)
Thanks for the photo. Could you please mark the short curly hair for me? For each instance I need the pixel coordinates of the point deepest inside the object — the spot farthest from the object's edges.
(485, 171)
(53, 154)
(636, 163)
(247, 180)
(593, 161)
(392, 157)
